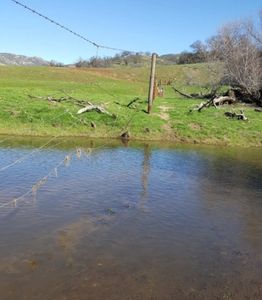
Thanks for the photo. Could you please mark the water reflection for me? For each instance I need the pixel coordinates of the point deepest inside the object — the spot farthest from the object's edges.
(130, 222)
(145, 175)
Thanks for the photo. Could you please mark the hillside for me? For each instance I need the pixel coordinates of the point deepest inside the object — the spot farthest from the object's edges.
(114, 88)
(132, 60)
(21, 60)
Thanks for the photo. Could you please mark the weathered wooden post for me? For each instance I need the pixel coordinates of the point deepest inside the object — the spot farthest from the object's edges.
(151, 82)
(155, 89)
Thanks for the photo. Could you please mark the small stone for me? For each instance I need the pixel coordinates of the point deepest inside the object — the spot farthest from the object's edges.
(125, 135)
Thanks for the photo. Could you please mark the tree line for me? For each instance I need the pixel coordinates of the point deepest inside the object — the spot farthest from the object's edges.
(125, 58)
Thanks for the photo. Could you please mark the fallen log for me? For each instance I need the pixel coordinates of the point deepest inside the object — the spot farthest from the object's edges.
(92, 107)
(223, 100)
(87, 106)
(214, 102)
(210, 95)
(233, 115)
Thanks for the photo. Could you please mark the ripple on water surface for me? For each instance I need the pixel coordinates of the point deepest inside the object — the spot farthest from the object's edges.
(142, 222)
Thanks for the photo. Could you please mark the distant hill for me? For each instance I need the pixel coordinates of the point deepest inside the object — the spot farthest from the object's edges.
(126, 59)
(21, 60)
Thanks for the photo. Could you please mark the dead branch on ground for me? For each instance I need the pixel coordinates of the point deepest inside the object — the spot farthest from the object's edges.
(223, 100)
(233, 115)
(87, 105)
(181, 93)
(92, 107)
(216, 101)
(132, 102)
(62, 99)
(197, 96)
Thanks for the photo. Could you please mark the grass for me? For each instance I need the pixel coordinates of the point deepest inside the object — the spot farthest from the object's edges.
(114, 88)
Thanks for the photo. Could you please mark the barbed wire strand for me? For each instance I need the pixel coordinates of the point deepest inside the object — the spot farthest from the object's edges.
(53, 145)
(89, 149)
(95, 44)
(38, 182)
(44, 145)
(54, 171)
(67, 158)
(24, 157)
(39, 149)
(6, 139)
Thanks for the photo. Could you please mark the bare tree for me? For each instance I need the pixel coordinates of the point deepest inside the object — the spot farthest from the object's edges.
(255, 31)
(199, 50)
(237, 48)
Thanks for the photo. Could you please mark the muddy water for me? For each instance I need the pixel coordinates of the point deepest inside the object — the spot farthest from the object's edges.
(136, 222)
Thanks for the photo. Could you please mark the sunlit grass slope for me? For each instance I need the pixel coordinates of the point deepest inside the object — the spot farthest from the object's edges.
(113, 89)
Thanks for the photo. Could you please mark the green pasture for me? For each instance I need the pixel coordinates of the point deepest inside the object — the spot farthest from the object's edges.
(113, 89)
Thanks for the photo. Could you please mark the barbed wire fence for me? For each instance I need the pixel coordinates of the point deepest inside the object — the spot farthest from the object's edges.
(40, 182)
(152, 81)
(79, 152)
(84, 38)
(28, 155)
(76, 34)
(54, 171)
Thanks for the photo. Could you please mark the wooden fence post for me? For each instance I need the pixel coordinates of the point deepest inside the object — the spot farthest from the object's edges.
(155, 89)
(151, 82)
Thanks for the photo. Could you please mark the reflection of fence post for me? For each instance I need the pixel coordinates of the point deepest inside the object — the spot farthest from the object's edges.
(145, 174)
(151, 82)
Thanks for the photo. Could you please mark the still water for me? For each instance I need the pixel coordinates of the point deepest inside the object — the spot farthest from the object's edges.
(102, 220)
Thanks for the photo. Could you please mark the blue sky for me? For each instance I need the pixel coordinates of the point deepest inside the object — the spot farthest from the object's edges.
(166, 26)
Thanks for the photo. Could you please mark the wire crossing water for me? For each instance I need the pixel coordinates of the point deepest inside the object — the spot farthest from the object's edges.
(137, 222)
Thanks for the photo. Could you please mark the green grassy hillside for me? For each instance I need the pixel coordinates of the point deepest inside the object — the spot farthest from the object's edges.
(114, 88)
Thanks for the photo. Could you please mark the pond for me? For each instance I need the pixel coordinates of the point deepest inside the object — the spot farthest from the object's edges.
(82, 219)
